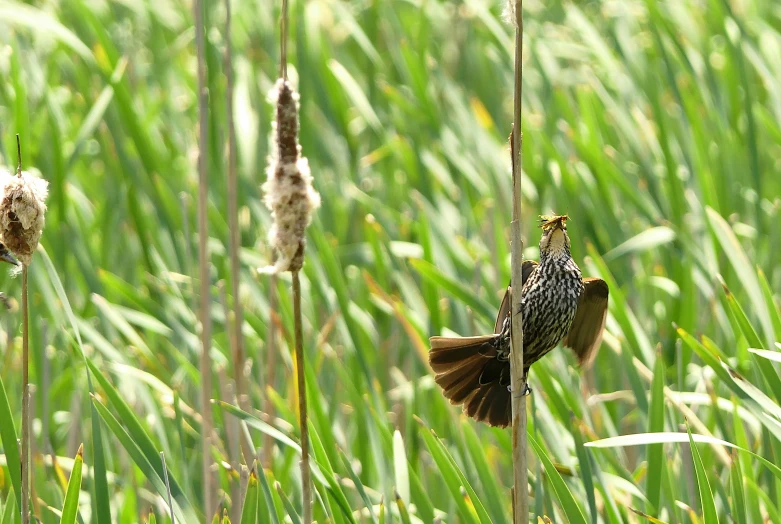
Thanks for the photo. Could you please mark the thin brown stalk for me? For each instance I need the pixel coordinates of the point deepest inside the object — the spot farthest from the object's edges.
(26, 454)
(26, 474)
(517, 378)
(302, 410)
(283, 21)
(236, 338)
(209, 486)
(271, 366)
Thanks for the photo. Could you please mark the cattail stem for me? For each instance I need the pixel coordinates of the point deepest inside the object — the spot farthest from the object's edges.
(283, 21)
(26, 476)
(302, 411)
(26, 463)
(517, 378)
(209, 487)
(236, 338)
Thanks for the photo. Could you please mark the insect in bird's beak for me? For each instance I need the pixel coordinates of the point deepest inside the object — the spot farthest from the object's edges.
(6, 256)
(553, 222)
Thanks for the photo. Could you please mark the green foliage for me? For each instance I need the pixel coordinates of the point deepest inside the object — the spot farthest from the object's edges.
(653, 125)
(70, 508)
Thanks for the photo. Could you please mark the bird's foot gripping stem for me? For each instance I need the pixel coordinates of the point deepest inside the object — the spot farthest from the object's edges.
(525, 390)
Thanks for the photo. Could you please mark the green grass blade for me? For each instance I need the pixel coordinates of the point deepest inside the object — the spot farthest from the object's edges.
(455, 288)
(584, 463)
(403, 513)
(70, 509)
(291, 511)
(136, 454)
(249, 511)
(260, 425)
(10, 515)
(775, 356)
(655, 458)
(738, 509)
(740, 263)
(326, 471)
(775, 311)
(569, 505)
(269, 498)
(491, 492)
(358, 486)
(400, 467)
(642, 439)
(449, 474)
(710, 516)
(102, 500)
(140, 436)
(10, 445)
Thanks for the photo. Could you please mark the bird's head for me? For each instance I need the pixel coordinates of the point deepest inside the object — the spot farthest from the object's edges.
(6, 255)
(554, 242)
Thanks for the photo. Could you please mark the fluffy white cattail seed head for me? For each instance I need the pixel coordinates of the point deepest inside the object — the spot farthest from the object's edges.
(289, 193)
(22, 211)
(508, 13)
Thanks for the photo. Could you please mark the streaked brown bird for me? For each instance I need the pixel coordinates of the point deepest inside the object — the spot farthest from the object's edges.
(558, 305)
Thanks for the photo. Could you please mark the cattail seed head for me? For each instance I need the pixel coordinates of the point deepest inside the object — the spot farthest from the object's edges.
(508, 13)
(22, 211)
(289, 193)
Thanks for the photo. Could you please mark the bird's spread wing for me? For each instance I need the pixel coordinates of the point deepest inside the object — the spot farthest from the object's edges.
(585, 335)
(504, 309)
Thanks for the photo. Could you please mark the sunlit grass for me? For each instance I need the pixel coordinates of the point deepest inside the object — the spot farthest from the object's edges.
(653, 125)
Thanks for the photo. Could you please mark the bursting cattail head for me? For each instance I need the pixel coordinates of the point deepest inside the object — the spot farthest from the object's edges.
(508, 13)
(22, 211)
(289, 193)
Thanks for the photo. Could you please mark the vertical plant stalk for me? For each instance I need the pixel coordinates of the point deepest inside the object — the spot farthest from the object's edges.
(283, 21)
(290, 197)
(26, 475)
(209, 487)
(271, 366)
(517, 378)
(236, 338)
(302, 409)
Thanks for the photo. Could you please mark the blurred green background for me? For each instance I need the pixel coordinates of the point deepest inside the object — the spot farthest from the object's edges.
(653, 124)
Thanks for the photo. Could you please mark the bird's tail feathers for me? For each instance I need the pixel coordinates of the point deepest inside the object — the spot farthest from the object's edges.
(469, 373)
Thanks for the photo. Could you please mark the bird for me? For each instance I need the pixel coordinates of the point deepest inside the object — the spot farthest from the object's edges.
(558, 305)
(6, 256)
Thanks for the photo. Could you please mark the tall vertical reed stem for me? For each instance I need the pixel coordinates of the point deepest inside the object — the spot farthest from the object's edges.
(25, 403)
(237, 339)
(271, 366)
(209, 487)
(26, 463)
(520, 469)
(302, 410)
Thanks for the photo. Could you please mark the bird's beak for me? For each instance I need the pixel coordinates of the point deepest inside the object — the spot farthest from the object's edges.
(6, 256)
(558, 226)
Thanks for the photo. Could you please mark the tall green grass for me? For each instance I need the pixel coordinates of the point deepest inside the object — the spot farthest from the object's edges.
(654, 125)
